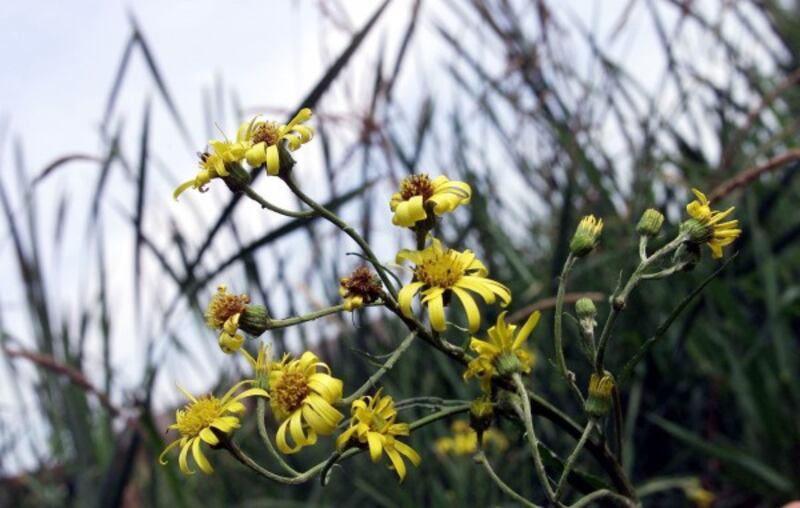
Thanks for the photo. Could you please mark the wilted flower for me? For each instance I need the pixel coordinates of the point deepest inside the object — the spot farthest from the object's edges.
(420, 195)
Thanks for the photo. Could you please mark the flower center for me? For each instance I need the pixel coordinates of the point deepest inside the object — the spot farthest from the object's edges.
(223, 305)
(416, 185)
(268, 132)
(198, 415)
(439, 270)
(290, 391)
(362, 283)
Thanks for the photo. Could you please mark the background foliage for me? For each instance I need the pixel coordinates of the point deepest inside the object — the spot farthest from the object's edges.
(543, 118)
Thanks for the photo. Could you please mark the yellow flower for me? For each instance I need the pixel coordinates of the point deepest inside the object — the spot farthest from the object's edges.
(717, 234)
(701, 497)
(223, 313)
(212, 165)
(440, 272)
(419, 195)
(464, 440)
(361, 287)
(205, 419)
(373, 424)
(264, 137)
(503, 353)
(302, 398)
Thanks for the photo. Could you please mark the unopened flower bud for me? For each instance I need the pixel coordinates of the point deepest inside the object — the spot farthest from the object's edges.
(586, 236)
(254, 320)
(481, 412)
(598, 403)
(237, 178)
(650, 223)
(585, 308)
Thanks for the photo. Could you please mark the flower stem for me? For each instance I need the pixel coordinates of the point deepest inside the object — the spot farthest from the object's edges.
(599, 494)
(569, 377)
(443, 413)
(346, 228)
(252, 194)
(245, 459)
(374, 378)
(527, 418)
(620, 298)
(562, 482)
(480, 458)
(262, 431)
(311, 316)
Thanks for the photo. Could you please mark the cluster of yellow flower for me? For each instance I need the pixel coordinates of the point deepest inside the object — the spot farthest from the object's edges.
(305, 397)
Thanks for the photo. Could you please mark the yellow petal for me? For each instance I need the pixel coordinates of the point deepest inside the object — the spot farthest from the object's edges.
(470, 309)
(326, 385)
(273, 160)
(200, 459)
(182, 187)
(405, 296)
(161, 459)
(182, 462)
(409, 212)
(344, 438)
(397, 462)
(209, 437)
(526, 330)
(257, 154)
(374, 440)
(409, 452)
(436, 313)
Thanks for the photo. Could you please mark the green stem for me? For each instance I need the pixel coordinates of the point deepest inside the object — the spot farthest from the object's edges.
(562, 482)
(527, 418)
(311, 316)
(346, 228)
(569, 377)
(252, 194)
(262, 431)
(480, 458)
(374, 378)
(245, 459)
(599, 494)
(444, 413)
(620, 298)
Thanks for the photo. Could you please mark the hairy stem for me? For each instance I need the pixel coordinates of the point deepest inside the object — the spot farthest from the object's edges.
(569, 377)
(527, 418)
(374, 378)
(562, 482)
(480, 458)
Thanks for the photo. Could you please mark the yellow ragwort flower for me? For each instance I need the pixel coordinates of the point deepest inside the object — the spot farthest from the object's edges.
(419, 195)
(719, 234)
(223, 314)
(360, 288)
(263, 137)
(464, 440)
(205, 419)
(440, 272)
(213, 164)
(505, 350)
(302, 398)
(373, 424)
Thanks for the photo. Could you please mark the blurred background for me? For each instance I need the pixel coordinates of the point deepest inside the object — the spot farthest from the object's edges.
(549, 109)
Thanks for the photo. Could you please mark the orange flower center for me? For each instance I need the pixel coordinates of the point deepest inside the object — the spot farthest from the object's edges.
(290, 391)
(439, 270)
(198, 415)
(268, 132)
(416, 185)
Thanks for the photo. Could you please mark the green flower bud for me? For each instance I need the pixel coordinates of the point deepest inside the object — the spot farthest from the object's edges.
(238, 178)
(585, 308)
(508, 364)
(586, 236)
(650, 223)
(481, 412)
(598, 403)
(254, 320)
